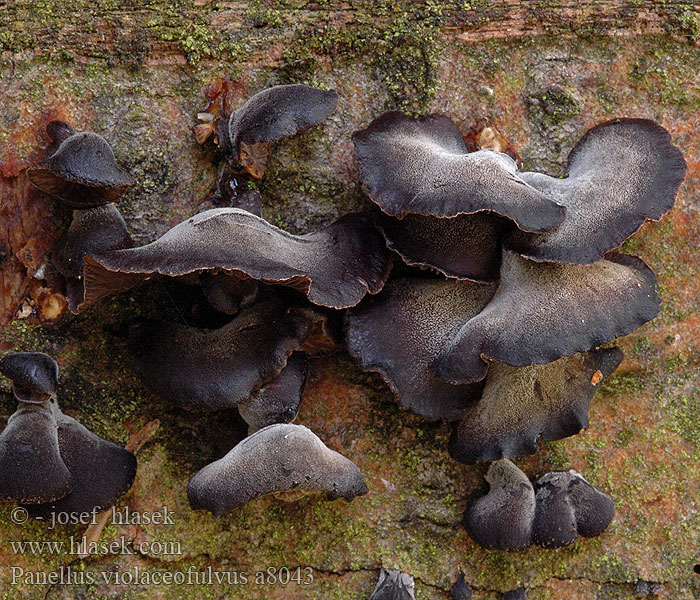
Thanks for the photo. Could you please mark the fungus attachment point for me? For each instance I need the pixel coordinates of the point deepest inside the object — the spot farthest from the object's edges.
(567, 505)
(402, 330)
(334, 267)
(464, 247)
(621, 173)
(199, 370)
(460, 590)
(523, 405)
(80, 170)
(34, 376)
(503, 518)
(278, 458)
(410, 166)
(535, 302)
(394, 585)
(277, 401)
(272, 114)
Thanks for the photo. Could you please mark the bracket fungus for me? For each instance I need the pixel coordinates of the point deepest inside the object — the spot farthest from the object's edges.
(536, 302)
(568, 506)
(512, 516)
(48, 460)
(93, 230)
(399, 332)
(334, 267)
(464, 247)
(503, 518)
(519, 594)
(394, 585)
(80, 169)
(410, 166)
(460, 590)
(200, 370)
(277, 401)
(523, 405)
(621, 174)
(269, 115)
(278, 458)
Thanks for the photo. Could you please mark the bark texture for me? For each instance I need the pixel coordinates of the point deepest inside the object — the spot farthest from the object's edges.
(542, 73)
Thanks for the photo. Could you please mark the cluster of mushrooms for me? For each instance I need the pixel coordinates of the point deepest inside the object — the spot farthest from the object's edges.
(480, 293)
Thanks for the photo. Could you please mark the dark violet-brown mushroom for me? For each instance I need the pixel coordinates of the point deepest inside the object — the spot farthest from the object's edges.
(519, 594)
(199, 370)
(460, 590)
(279, 458)
(399, 332)
(34, 376)
(463, 247)
(410, 166)
(92, 231)
(102, 472)
(523, 405)
(503, 518)
(272, 114)
(334, 267)
(568, 506)
(543, 311)
(621, 173)
(31, 467)
(80, 169)
(279, 400)
(394, 585)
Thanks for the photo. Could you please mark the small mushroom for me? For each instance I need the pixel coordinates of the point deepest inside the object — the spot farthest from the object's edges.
(503, 518)
(567, 505)
(94, 230)
(519, 594)
(621, 173)
(278, 458)
(199, 370)
(536, 302)
(279, 400)
(272, 114)
(410, 166)
(34, 376)
(102, 472)
(523, 405)
(30, 460)
(464, 247)
(460, 590)
(334, 267)
(394, 585)
(401, 331)
(80, 169)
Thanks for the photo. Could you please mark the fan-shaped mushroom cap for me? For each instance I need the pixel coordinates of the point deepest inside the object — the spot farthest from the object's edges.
(200, 370)
(567, 505)
(31, 466)
(279, 112)
(463, 247)
(410, 166)
(94, 230)
(394, 585)
(334, 267)
(536, 302)
(460, 590)
(521, 405)
(279, 400)
(621, 173)
(81, 171)
(102, 472)
(278, 458)
(503, 518)
(34, 375)
(402, 330)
